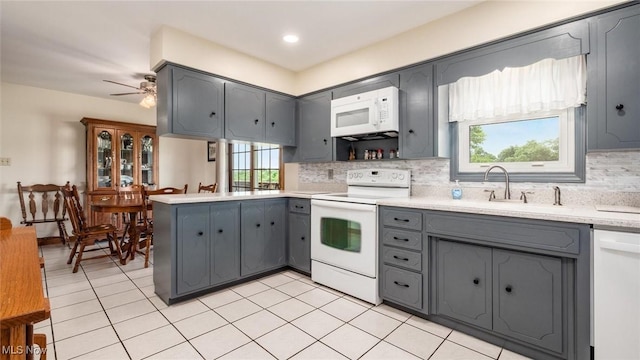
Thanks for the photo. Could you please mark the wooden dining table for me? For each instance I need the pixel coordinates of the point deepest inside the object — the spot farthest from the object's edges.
(22, 300)
(119, 204)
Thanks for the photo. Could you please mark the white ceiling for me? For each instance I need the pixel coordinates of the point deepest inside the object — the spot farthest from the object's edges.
(72, 46)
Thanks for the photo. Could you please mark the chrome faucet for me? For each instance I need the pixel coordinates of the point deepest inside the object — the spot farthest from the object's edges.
(507, 191)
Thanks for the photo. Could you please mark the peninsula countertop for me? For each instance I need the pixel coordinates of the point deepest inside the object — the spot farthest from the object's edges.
(174, 199)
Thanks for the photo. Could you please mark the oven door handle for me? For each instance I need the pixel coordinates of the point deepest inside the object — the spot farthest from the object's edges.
(342, 205)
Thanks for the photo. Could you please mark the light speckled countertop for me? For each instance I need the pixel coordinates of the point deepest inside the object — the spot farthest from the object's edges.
(231, 196)
(574, 214)
(565, 213)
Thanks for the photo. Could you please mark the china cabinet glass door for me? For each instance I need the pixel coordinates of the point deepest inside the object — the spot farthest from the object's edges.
(105, 158)
(127, 159)
(147, 165)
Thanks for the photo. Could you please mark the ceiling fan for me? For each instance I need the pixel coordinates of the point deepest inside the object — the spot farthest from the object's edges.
(147, 88)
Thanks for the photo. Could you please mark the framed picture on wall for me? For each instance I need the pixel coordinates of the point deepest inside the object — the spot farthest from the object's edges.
(211, 150)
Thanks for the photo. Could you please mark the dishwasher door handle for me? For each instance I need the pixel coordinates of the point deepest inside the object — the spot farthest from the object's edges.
(620, 246)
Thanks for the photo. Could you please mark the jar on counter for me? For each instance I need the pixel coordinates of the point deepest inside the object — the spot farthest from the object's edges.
(380, 152)
(392, 154)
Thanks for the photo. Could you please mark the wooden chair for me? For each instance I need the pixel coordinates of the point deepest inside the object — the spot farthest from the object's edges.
(147, 227)
(5, 223)
(45, 206)
(207, 188)
(84, 235)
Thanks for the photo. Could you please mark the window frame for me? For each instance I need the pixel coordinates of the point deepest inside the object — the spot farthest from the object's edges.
(575, 176)
(253, 151)
(566, 147)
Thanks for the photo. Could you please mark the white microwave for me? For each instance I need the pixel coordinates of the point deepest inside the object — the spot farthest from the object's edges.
(372, 112)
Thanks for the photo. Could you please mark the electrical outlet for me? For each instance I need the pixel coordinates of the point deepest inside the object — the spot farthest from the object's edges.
(5, 161)
(330, 174)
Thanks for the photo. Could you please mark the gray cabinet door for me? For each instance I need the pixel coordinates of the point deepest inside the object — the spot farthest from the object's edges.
(527, 298)
(280, 120)
(614, 82)
(244, 115)
(197, 104)
(315, 143)
(252, 243)
(371, 84)
(403, 287)
(275, 233)
(193, 248)
(225, 244)
(417, 128)
(464, 282)
(300, 241)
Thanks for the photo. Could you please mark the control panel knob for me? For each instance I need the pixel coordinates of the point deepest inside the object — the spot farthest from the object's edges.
(401, 176)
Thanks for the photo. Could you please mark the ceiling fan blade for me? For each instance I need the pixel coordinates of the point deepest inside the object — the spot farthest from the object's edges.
(131, 93)
(113, 82)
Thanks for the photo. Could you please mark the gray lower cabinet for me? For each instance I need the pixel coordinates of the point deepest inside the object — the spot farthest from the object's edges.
(225, 247)
(300, 242)
(418, 136)
(208, 250)
(512, 293)
(314, 137)
(613, 111)
(523, 284)
(190, 104)
(193, 249)
(262, 236)
(464, 282)
(527, 298)
(403, 259)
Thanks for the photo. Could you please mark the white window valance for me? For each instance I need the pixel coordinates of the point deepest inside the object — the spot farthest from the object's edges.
(549, 84)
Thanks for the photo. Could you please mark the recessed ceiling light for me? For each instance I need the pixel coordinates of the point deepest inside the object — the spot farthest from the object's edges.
(290, 38)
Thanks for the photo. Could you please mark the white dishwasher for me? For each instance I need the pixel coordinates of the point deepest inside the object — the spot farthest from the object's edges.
(616, 291)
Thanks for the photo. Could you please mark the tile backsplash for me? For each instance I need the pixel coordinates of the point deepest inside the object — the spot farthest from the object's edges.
(612, 178)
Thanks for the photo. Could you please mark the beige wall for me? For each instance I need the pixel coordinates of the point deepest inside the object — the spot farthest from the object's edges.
(487, 21)
(40, 131)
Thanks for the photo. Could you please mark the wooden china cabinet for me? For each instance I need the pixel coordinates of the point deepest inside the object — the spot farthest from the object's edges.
(118, 154)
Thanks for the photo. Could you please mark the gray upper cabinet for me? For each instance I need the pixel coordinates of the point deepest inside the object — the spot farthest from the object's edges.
(371, 84)
(527, 298)
(280, 119)
(193, 248)
(464, 282)
(225, 247)
(314, 116)
(613, 110)
(559, 42)
(190, 104)
(244, 116)
(417, 126)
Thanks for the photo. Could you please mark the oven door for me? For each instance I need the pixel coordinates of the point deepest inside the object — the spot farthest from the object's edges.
(345, 235)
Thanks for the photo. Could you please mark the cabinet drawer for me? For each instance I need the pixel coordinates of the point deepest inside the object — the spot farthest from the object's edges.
(405, 239)
(536, 234)
(402, 219)
(302, 206)
(403, 258)
(402, 286)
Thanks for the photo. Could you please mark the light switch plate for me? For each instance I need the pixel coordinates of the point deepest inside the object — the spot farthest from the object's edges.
(5, 161)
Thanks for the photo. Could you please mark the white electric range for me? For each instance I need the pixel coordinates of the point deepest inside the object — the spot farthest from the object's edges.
(344, 231)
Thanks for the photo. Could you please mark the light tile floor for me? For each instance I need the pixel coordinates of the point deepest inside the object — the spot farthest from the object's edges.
(109, 311)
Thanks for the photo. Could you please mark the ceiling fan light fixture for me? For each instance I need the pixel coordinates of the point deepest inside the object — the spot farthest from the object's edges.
(148, 102)
(291, 38)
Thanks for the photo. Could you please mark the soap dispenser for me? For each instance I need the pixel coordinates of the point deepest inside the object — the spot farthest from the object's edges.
(456, 192)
